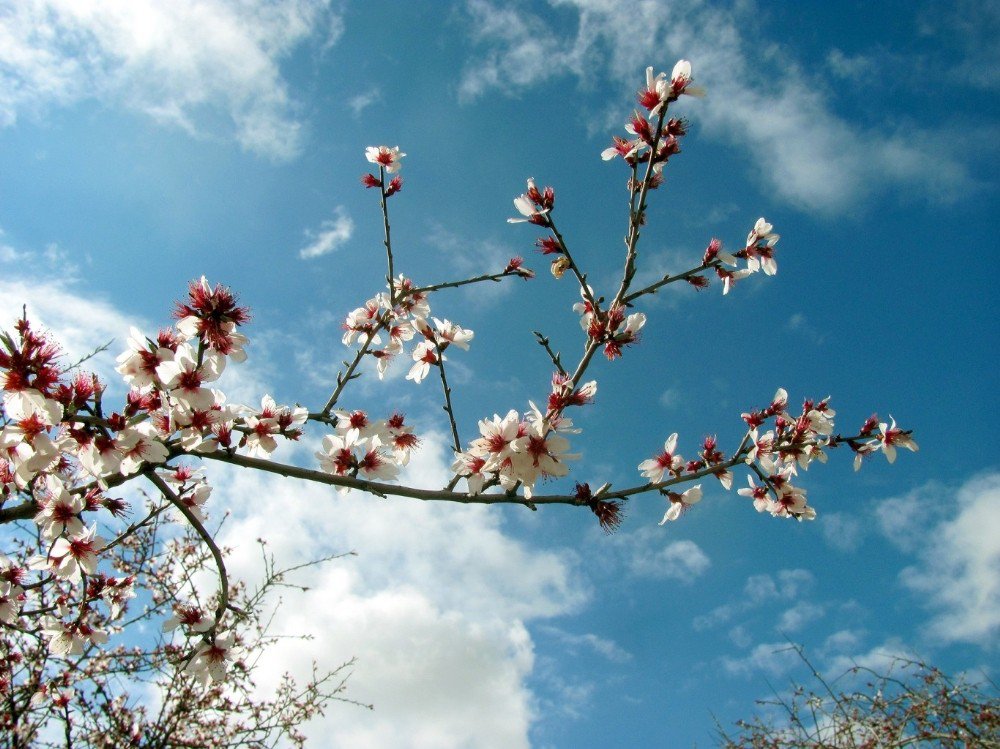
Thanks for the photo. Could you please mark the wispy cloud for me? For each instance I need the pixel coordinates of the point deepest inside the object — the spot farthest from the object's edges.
(361, 102)
(760, 97)
(609, 649)
(181, 63)
(784, 585)
(331, 234)
(650, 552)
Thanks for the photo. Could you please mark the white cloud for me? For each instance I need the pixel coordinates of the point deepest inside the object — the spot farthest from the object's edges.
(361, 102)
(434, 607)
(180, 63)
(799, 615)
(906, 520)
(842, 531)
(681, 560)
(649, 552)
(758, 97)
(332, 234)
(958, 572)
(670, 398)
(773, 658)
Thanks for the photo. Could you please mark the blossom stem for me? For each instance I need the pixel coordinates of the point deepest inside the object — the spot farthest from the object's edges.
(496, 277)
(384, 489)
(580, 277)
(344, 377)
(388, 240)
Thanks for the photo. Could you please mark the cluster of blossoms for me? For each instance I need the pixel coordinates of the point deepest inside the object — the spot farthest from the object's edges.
(774, 457)
(512, 451)
(375, 450)
(656, 137)
(402, 316)
(61, 447)
(388, 160)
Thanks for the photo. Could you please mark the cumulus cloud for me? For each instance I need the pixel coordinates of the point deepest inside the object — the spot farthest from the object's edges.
(181, 63)
(958, 572)
(799, 615)
(760, 98)
(435, 607)
(80, 324)
(332, 234)
(773, 658)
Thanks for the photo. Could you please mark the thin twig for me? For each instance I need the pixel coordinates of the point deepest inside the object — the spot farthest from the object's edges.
(447, 396)
(654, 287)
(496, 277)
(220, 564)
(556, 360)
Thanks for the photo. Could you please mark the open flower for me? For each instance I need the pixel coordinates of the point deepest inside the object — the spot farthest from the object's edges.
(69, 558)
(210, 661)
(680, 502)
(893, 437)
(386, 157)
(666, 462)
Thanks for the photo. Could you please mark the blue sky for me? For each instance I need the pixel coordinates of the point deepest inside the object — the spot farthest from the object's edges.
(144, 144)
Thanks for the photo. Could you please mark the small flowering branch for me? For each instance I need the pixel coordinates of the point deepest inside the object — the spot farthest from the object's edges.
(350, 373)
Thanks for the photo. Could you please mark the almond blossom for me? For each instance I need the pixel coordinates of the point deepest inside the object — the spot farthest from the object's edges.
(70, 638)
(184, 376)
(893, 437)
(60, 510)
(72, 557)
(424, 355)
(667, 461)
(680, 502)
(386, 157)
(211, 659)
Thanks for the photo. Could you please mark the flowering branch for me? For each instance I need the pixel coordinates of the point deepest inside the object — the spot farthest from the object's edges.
(63, 448)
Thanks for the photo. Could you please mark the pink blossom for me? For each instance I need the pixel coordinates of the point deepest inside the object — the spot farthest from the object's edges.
(69, 558)
(680, 502)
(893, 437)
(667, 461)
(386, 157)
(210, 661)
